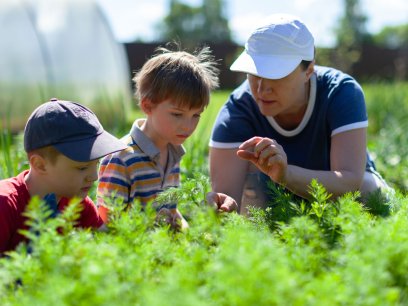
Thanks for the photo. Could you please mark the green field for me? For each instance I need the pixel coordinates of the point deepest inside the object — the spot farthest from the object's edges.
(320, 252)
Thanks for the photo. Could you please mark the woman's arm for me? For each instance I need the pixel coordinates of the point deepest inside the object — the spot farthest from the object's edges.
(347, 163)
(227, 173)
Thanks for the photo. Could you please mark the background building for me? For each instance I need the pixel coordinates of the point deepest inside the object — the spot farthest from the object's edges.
(62, 49)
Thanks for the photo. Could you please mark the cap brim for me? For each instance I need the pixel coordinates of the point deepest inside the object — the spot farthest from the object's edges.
(268, 67)
(91, 148)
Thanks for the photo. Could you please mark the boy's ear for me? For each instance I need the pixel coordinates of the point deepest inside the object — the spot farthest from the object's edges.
(38, 163)
(146, 105)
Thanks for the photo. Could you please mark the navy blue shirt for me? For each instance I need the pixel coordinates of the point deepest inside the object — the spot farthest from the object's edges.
(336, 104)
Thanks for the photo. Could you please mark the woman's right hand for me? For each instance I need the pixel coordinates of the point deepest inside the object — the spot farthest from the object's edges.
(267, 155)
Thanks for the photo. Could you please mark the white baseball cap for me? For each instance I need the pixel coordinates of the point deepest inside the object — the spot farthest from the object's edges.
(276, 47)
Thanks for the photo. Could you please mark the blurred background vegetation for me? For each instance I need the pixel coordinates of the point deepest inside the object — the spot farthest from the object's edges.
(367, 56)
(97, 72)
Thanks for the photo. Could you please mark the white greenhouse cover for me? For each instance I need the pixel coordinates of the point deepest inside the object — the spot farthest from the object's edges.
(63, 49)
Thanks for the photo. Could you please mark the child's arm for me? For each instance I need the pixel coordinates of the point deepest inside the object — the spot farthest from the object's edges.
(114, 182)
(103, 210)
(173, 217)
(178, 220)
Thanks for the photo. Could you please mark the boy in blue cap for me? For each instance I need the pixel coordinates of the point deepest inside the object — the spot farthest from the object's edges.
(64, 141)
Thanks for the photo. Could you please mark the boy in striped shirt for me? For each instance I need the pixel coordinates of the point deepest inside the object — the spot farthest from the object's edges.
(173, 88)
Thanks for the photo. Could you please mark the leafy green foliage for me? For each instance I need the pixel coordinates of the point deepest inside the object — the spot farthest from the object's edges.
(392, 36)
(387, 107)
(223, 259)
(322, 251)
(192, 191)
(351, 33)
(13, 157)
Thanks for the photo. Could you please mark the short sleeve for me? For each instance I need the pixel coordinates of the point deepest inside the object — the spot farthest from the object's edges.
(113, 179)
(347, 109)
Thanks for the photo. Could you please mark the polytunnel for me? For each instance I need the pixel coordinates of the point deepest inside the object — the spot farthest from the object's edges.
(63, 49)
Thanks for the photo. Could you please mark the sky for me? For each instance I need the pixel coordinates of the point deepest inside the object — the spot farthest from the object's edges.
(138, 19)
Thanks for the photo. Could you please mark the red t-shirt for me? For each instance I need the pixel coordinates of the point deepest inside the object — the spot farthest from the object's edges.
(14, 197)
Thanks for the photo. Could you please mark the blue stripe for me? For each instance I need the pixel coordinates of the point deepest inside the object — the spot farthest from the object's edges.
(146, 177)
(140, 178)
(138, 159)
(114, 180)
(113, 160)
(175, 170)
(146, 193)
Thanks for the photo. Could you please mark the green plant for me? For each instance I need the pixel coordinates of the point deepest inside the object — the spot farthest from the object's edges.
(13, 158)
(321, 251)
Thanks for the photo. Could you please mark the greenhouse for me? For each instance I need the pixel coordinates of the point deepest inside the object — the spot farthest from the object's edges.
(63, 49)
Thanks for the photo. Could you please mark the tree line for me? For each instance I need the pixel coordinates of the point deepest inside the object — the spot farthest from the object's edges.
(207, 23)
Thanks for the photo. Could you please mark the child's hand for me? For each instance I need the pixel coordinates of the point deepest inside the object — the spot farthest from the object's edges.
(221, 201)
(172, 217)
(178, 220)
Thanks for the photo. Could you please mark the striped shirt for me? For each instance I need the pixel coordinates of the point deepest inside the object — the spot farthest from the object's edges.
(135, 173)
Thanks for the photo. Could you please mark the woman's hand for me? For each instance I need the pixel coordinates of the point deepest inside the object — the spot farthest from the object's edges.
(267, 155)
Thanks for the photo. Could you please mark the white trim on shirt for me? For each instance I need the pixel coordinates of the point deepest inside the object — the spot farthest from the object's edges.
(349, 127)
(224, 145)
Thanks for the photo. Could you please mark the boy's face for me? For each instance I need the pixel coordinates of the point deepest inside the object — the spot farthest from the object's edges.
(69, 178)
(169, 123)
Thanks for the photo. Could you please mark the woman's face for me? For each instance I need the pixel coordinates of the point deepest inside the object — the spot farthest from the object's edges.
(280, 97)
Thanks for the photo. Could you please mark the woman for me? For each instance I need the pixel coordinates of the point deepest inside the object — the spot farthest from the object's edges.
(292, 120)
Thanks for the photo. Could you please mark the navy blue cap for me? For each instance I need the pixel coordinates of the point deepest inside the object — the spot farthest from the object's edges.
(73, 129)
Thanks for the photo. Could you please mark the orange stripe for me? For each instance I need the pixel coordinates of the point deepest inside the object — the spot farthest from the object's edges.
(140, 165)
(104, 187)
(153, 182)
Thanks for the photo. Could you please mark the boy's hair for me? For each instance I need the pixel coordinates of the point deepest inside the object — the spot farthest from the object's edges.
(48, 152)
(186, 78)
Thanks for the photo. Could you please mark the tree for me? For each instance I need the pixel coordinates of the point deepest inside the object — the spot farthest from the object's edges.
(194, 25)
(216, 26)
(392, 37)
(351, 33)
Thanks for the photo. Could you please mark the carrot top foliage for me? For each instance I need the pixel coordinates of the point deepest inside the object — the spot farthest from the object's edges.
(322, 251)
